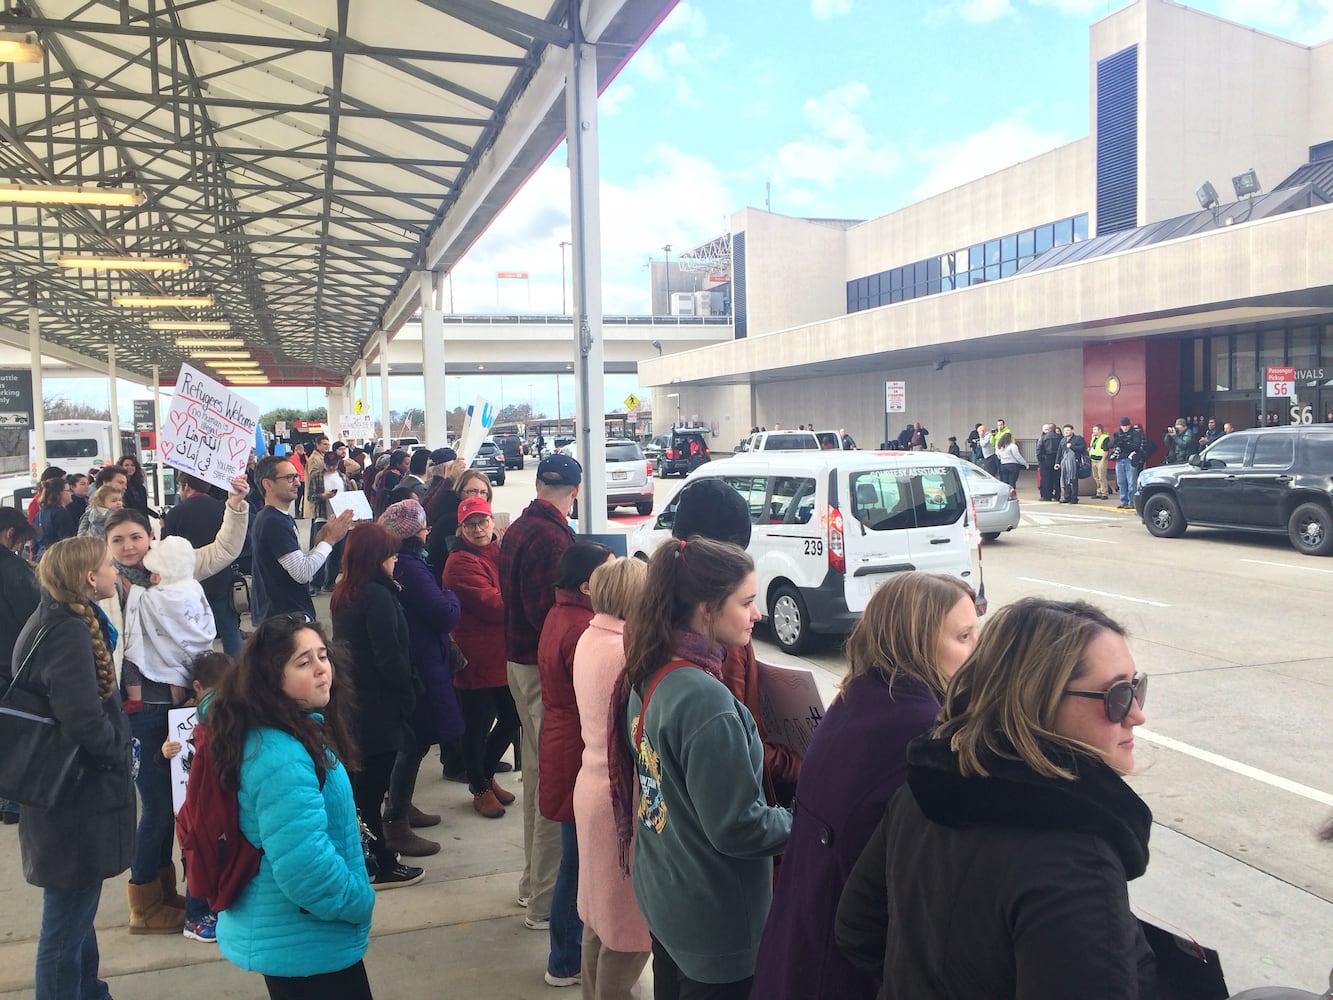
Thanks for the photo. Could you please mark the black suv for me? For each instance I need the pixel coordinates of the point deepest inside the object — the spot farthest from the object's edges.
(512, 448)
(1278, 480)
(684, 449)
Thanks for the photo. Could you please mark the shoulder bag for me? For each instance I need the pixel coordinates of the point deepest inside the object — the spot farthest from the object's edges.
(39, 767)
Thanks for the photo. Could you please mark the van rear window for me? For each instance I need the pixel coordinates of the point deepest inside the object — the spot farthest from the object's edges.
(65, 448)
(894, 499)
(791, 442)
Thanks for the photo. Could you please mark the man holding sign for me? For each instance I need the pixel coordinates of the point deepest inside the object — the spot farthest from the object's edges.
(282, 571)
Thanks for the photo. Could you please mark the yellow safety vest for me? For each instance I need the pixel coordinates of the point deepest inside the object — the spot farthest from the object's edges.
(1097, 446)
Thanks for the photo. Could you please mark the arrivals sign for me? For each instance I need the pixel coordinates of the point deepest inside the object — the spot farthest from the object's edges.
(16, 397)
(210, 430)
(895, 397)
(1280, 381)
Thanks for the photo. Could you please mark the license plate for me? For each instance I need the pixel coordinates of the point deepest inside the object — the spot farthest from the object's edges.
(619, 475)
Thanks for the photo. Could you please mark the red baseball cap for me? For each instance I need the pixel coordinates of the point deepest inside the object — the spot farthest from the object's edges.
(473, 505)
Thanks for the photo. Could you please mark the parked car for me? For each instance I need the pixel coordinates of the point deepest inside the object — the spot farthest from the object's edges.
(784, 441)
(830, 526)
(629, 480)
(491, 460)
(1274, 480)
(684, 449)
(512, 448)
(829, 440)
(996, 502)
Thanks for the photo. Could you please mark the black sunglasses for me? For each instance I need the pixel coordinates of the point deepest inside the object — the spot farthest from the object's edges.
(1119, 697)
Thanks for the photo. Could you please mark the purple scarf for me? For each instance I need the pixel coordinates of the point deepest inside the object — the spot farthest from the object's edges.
(686, 645)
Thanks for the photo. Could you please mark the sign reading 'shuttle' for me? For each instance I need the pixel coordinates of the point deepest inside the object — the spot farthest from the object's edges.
(210, 430)
(15, 397)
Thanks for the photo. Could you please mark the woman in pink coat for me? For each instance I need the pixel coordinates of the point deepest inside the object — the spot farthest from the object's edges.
(616, 945)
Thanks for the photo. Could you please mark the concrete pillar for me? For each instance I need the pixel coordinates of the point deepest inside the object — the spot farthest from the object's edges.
(435, 432)
(38, 409)
(585, 214)
(157, 419)
(336, 402)
(115, 401)
(384, 387)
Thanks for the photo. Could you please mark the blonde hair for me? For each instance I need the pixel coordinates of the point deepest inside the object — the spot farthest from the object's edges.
(615, 587)
(469, 474)
(1004, 699)
(104, 493)
(63, 573)
(900, 628)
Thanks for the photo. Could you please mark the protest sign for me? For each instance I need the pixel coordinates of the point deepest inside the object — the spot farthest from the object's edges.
(481, 418)
(790, 705)
(210, 430)
(353, 500)
(356, 428)
(180, 727)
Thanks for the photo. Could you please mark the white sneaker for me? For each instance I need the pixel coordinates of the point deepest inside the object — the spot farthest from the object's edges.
(523, 901)
(543, 924)
(574, 980)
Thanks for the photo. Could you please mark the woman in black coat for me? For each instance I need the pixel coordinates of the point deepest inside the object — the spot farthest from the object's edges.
(369, 620)
(1001, 870)
(71, 849)
(19, 597)
(136, 487)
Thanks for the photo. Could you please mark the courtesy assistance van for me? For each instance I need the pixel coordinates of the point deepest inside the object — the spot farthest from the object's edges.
(831, 526)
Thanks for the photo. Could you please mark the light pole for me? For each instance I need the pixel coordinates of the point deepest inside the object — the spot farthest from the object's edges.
(563, 245)
(666, 249)
(676, 397)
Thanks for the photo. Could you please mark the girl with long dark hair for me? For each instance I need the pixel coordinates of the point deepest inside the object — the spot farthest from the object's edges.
(55, 521)
(369, 620)
(136, 487)
(280, 735)
(705, 835)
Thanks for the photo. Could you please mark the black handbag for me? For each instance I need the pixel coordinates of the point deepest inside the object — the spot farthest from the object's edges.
(39, 767)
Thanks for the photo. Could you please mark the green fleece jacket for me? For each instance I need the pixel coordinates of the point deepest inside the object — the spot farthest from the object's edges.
(704, 836)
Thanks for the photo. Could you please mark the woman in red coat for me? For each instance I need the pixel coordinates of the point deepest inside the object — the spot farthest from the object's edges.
(560, 746)
(489, 717)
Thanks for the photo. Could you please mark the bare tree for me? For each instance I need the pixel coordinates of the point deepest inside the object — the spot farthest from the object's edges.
(60, 408)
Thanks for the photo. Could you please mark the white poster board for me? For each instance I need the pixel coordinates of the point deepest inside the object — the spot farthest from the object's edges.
(895, 397)
(180, 727)
(790, 705)
(479, 424)
(353, 500)
(356, 429)
(209, 431)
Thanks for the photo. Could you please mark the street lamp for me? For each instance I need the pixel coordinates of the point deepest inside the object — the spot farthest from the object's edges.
(667, 250)
(563, 245)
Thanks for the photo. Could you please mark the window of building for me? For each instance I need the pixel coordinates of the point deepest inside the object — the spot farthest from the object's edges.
(1323, 151)
(1199, 374)
(1009, 248)
(1025, 239)
(1064, 232)
(1045, 238)
(1303, 351)
(1272, 350)
(1245, 364)
(1080, 227)
(1221, 363)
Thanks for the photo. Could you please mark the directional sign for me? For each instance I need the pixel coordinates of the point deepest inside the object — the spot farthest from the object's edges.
(631, 402)
(1280, 381)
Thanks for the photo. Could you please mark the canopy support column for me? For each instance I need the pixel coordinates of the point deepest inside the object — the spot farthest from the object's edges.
(385, 420)
(435, 432)
(115, 403)
(38, 404)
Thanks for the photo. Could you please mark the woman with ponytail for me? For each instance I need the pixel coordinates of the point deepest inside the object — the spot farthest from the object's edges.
(704, 835)
(68, 851)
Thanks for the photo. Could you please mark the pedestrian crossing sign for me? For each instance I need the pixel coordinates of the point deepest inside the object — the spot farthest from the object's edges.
(631, 402)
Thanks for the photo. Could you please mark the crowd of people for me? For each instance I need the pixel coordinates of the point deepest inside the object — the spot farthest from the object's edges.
(959, 826)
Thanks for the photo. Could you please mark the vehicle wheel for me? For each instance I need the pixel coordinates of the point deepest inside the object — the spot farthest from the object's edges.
(500, 481)
(644, 508)
(1311, 530)
(990, 536)
(1162, 517)
(790, 621)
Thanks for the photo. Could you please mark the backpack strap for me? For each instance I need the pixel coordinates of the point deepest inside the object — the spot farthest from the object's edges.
(653, 681)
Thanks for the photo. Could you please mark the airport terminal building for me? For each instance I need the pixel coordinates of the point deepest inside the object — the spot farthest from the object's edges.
(1157, 267)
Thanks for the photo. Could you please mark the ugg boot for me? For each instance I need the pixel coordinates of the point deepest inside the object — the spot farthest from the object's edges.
(166, 877)
(148, 914)
(418, 819)
(489, 806)
(398, 836)
(505, 798)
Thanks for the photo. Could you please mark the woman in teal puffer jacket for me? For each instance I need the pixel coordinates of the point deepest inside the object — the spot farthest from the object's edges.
(279, 732)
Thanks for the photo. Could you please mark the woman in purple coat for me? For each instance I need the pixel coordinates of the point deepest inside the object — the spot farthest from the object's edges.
(431, 615)
(916, 631)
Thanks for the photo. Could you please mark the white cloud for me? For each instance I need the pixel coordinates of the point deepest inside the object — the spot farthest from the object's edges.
(984, 11)
(686, 18)
(1080, 8)
(825, 9)
(614, 98)
(648, 64)
(1307, 21)
(999, 145)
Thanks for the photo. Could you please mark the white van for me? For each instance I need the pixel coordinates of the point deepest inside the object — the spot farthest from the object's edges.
(783, 441)
(831, 526)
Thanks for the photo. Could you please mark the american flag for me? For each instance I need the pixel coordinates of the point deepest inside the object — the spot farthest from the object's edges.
(407, 424)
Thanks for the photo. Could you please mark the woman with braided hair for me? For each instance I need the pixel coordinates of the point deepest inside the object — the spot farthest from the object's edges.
(71, 849)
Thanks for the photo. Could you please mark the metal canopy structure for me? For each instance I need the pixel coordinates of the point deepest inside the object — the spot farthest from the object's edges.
(308, 157)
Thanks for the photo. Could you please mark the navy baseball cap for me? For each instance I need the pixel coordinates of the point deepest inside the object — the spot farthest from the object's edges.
(559, 470)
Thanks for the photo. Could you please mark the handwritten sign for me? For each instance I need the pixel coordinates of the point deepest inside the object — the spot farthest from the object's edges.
(353, 500)
(180, 727)
(356, 428)
(209, 431)
(790, 705)
(481, 419)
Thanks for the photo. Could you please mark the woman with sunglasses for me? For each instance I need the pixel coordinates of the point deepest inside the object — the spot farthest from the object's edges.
(280, 735)
(1001, 870)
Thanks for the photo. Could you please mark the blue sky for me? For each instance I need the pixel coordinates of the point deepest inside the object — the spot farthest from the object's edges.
(847, 108)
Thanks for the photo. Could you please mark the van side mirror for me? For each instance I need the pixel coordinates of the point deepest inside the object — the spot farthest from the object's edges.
(1196, 462)
(666, 519)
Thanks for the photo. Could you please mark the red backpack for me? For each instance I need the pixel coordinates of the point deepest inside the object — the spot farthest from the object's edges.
(219, 860)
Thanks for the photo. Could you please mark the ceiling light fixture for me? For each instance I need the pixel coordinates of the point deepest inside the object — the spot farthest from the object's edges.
(222, 355)
(53, 194)
(19, 49)
(206, 342)
(240, 367)
(189, 324)
(124, 263)
(163, 301)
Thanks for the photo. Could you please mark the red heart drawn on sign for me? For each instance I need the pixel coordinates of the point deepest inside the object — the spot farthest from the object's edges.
(167, 448)
(236, 447)
(178, 417)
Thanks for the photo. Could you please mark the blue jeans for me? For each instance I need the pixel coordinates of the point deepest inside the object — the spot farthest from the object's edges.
(67, 956)
(157, 823)
(1126, 479)
(228, 624)
(566, 928)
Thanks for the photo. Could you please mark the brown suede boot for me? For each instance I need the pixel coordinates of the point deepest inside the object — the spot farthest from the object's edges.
(416, 818)
(148, 914)
(488, 805)
(166, 877)
(505, 798)
(398, 837)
